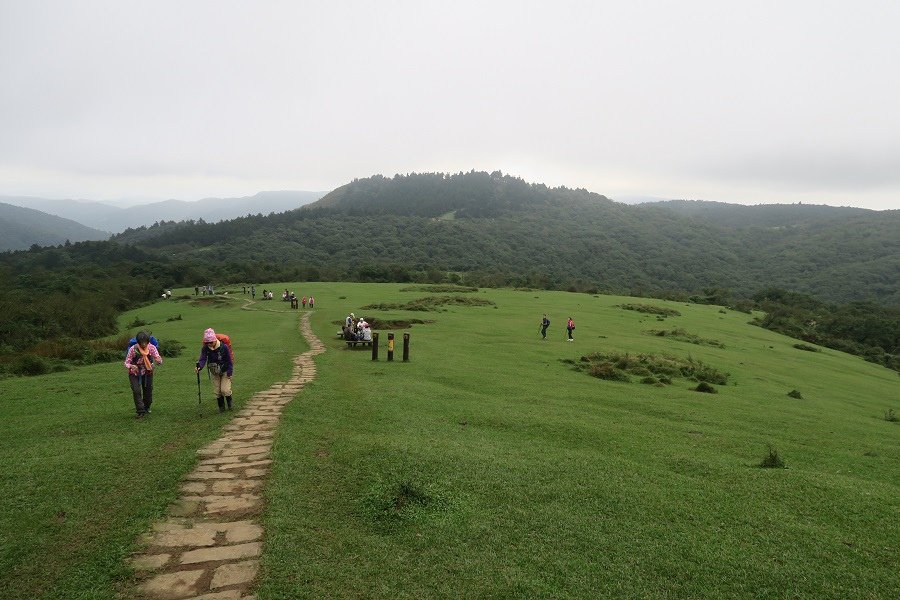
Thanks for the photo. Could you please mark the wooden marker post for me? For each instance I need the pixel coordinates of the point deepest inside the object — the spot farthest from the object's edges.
(405, 347)
(374, 345)
(391, 346)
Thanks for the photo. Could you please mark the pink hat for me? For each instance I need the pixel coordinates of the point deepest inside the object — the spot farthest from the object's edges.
(209, 336)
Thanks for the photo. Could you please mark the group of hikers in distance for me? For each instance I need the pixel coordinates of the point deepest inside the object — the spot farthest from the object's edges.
(570, 327)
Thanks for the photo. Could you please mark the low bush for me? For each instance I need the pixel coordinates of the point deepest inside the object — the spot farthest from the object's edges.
(795, 394)
(772, 460)
(138, 322)
(662, 368)
(706, 388)
(890, 415)
(609, 372)
(30, 365)
(682, 335)
(429, 303)
(806, 347)
(650, 309)
(170, 348)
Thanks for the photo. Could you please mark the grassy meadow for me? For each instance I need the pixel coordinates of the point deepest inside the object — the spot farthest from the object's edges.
(487, 466)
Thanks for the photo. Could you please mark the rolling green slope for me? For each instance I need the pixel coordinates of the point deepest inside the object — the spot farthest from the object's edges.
(487, 466)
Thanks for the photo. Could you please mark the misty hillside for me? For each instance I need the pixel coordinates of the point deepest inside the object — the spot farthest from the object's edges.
(117, 219)
(495, 229)
(762, 215)
(20, 228)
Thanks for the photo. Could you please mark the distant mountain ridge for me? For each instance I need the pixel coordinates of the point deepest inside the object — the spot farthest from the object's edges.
(116, 219)
(21, 227)
(494, 230)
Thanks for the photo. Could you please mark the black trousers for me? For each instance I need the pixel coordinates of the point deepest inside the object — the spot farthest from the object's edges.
(142, 389)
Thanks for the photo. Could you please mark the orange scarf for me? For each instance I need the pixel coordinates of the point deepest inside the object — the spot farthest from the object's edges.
(145, 354)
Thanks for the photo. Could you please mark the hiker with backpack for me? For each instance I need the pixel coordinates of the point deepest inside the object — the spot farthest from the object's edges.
(218, 357)
(545, 323)
(140, 358)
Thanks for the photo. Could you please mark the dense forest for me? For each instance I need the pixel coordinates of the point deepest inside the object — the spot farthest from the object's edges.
(494, 229)
(835, 272)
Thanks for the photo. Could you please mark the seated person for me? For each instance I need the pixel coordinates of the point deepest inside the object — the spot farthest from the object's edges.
(366, 333)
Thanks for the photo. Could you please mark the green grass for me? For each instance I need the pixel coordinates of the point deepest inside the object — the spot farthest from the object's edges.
(486, 466)
(81, 478)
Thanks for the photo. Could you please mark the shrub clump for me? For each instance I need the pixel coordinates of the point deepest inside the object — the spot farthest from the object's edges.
(440, 289)
(30, 365)
(430, 303)
(682, 335)
(171, 348)
(795, 394)
(890, 415)
(608, 371)
(772, 460)
(806, 347)
(616, 366)
(706, 388)
(652, 310)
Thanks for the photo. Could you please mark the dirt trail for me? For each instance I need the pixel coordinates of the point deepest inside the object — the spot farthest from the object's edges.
(210, 544)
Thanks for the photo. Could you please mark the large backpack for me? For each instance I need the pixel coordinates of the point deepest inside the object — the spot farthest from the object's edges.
(227, 341)
(133, 341)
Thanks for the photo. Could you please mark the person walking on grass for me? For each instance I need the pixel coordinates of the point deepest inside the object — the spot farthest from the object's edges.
(139, 360)
(216, 356)
(545, 323)
(570, 327)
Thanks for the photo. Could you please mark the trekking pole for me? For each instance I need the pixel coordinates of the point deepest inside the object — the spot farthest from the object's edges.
(198, 394)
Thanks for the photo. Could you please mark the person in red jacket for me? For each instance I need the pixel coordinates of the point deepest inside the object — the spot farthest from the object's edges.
(570, 327)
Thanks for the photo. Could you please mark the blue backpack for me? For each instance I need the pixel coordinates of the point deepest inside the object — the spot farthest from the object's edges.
(133, 341)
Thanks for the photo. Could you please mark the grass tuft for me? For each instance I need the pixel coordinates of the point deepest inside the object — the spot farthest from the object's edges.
(795, 394)
(771, 460)
(890, 415)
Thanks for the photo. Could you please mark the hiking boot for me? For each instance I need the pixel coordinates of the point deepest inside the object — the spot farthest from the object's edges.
(228, 400)
(221, 402)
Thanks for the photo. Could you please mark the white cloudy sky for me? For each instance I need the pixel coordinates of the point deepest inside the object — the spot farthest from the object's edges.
(750, 102)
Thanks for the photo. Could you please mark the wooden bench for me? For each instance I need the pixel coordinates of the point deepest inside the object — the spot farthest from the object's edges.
(353, 343)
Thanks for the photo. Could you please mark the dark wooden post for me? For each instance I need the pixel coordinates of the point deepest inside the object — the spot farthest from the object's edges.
(374, 345)
(405, 347)
(391, 346)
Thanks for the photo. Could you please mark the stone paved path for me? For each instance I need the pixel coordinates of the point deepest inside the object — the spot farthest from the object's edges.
(209, 545)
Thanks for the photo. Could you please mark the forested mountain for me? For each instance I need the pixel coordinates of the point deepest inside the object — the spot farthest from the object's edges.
(778, 216)
(493, 229)
(117, 219)
(20, 228)
(486, 230)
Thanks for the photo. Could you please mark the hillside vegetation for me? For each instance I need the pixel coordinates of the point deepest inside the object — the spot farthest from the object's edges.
(487, 466)
(21, 228)
(490, 230)
(493, 229)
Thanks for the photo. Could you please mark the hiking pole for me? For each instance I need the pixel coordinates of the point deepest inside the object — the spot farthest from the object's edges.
(199, 412)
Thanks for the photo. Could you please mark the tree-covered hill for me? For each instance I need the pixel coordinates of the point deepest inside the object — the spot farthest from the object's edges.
(22, 227)
(494, 229)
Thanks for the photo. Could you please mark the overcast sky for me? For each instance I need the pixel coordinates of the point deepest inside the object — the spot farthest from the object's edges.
(743, 102)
